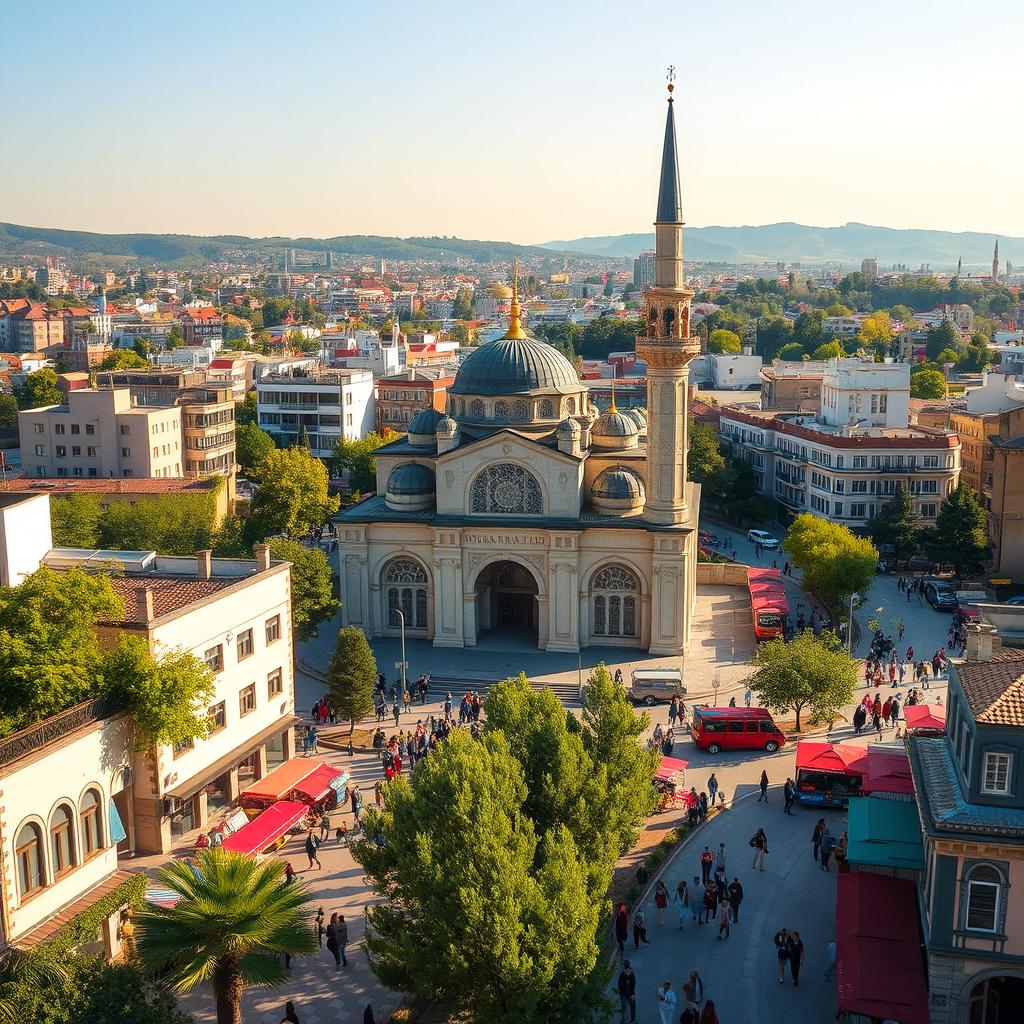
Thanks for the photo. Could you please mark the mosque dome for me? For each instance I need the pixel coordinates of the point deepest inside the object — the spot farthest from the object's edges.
(618, 490)
(512, 366)
(569, 428)
(422, 426)
(639, 417)
(446, 427)
(410, 488)
(614, 429)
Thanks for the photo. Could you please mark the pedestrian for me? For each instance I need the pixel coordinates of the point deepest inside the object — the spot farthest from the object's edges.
(290, 1016)
(735, 899)
(710, 902)
(289, 872)
(782, 952)
(666, 1003)
(819, 831)
(691, 1011)
(759, 842)
(341, 937)
(626, 987)
(796, 956)
(319, 927)
(368, 1017)
(332, 941)
(709, 1015)
(876, 720)
(859, 718)
(720, 859)
(748, 696)
(789, 796)
(828, 845)
(681, 898)
(378, 793)
(661, 901)
(696, 983)
(621, 927)
(723, 918)
(764, 787)
(325, 826)
(639, 928)
(713, 789)
(697, 899)
(707, 860)
(396, 712)
(312, 845)
(673, 711)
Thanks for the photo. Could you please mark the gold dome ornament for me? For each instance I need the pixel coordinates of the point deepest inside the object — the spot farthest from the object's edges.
(515, 330)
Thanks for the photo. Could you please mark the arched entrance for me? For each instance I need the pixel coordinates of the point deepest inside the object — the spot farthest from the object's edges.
(506, 602)
(996, 1001)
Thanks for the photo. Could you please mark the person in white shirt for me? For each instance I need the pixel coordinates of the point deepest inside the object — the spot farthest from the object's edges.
(667, 1003)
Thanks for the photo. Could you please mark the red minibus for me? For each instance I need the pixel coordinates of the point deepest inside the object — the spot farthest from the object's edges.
(716, 729)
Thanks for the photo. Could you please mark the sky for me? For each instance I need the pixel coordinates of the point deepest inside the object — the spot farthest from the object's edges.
(524, 122)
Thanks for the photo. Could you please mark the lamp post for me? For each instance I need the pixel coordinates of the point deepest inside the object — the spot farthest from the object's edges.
(403, 664)
(849, 624)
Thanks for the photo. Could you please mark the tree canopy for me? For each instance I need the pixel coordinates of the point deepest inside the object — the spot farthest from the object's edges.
(252, 446)
(40, 389)
(927, 384)
(705, 458)
(960, 535)
(835, 562)
(723, 340)
(293, 497)
(123, 359)
(8, 411)
(898, 523)
(313, 600)
(351, 676)
(829, 350)
(357, 458)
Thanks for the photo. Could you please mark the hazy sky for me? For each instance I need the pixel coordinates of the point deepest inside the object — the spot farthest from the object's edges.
(523, 121)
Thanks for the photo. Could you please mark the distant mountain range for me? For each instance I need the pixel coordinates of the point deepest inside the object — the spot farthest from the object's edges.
(18, 240)
(791, 243)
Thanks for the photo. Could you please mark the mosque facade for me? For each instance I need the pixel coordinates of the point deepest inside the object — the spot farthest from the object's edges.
(522, 508)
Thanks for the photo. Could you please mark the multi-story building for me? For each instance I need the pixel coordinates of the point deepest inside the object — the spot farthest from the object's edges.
(643, 270)
(98, 432)
(969, 785)
(200, 325)
(401, 396)
(843, 326)
(230, 372)
(792, 386)
(321, 407)
(1002, 493)
(34, 328)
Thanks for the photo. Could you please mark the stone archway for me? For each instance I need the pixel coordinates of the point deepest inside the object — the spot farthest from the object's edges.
(506, 603)
(995, 999)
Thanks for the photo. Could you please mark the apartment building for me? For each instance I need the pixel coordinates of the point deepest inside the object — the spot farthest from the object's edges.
(1002, 494)
(201, 325)
(321, 407)
(31, 328)
(794, 386)
(400, 396)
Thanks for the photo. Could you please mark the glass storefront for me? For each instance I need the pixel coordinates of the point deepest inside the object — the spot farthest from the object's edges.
(275, 751)
(183, 818)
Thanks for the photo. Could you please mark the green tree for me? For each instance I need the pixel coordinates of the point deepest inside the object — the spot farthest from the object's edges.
(313, 600)
(904, 314)
(171, 524)
(293, 498)
(705, 460)
(876, 333)
(898, 523)
(940, 337)
(40, 389)
(74, 520)
(463, 309)
(252, 446)
(960, 536)
(232, 923)
(175, 339)
(809, 329)
(123, 359)
(722, 340)
(357, 458)
(792, 351)
(8, 411)
(510, 937)
(835, 562)
(928, 384)
(351, 676)
(830, 350)
(246, 410)
(807, 671)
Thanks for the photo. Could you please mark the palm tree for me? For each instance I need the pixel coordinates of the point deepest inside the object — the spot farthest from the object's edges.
(29, 969)
(235, 918)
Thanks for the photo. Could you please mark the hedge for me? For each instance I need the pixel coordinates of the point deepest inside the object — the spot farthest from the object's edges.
(85, 927)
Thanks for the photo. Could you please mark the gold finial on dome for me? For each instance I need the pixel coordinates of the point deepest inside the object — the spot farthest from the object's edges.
(515, 328)
(612, 406)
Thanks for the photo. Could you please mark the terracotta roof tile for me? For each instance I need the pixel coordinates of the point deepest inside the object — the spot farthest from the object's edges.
(116, 485)
(170, 593)
(995, 689)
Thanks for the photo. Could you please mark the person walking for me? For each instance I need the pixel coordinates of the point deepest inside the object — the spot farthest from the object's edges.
(764, 787)
(332, 941)
(691, 1011)
(696, 983)
(796, 956)
(735, 899)
(621, 927)
(697, 899)
(661, 901)
(626, 987)
(713, 789)
(325, 826)
(396, 711)
(782, 952)
(318, 927)
(639, 928)
(816, 835)
(724, 913)
(681, 900)
(828, 845)
(666, 1004)
(748, 696)
(290, 1016)
(720, 859)
(341, 937)
(673, 711)
(312, 845)
(789, 796)
(707, 862)
(710, 902)
(759, 841)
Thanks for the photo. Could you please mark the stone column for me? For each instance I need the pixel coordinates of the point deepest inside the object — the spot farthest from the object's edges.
(449, 603)
(563, 632)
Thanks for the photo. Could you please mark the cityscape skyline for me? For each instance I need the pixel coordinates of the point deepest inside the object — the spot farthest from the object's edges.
(423, 144)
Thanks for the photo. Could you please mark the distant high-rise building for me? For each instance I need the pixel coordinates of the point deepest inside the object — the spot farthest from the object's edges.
(995, 262)
(1009, 268)
(869, 266)
(959, 265)
(643, 270)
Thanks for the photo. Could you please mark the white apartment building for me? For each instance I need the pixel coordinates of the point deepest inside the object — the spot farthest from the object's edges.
(843, 326)
(99, 433)
(366, 350)
(734, 372)
(323, 406)
(861, 393)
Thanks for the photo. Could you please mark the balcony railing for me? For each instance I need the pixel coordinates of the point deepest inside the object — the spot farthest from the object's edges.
(54, 728)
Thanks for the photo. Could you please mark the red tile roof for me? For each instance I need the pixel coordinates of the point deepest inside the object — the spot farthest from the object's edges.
(170, 593)
(201, 313)
(12, 305)
(995, 689)
(115, 485)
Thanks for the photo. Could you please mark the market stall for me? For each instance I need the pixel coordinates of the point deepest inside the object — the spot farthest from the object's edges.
(885, 836)
(327, 783)
(925, 719)
(887, 773)
(267, 828)
(670, 781)
(828, 774)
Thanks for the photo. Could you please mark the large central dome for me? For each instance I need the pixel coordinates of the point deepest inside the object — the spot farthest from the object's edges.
(514, 366)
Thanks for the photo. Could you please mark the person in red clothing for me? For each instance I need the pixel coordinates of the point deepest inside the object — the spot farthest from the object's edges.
(707, 860)
(661, 901)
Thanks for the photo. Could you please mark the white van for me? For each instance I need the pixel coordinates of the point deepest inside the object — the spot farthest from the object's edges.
(651, 685)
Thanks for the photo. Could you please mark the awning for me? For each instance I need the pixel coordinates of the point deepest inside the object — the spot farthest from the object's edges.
(276, 785)
(669, 766)
(845, 758)
(930, 717)
(888, 772)
(266, 828)
(884, 833)
(317, 785)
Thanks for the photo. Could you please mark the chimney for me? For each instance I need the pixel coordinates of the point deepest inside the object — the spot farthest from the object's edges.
(980, 638)
(144, 604)
(262, 553)
(204, 564)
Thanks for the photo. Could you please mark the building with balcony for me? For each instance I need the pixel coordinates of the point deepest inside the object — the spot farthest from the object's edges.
(320, 407)
(400, 396)
(200, 325)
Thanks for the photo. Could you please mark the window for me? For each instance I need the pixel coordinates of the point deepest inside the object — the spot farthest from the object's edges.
(126, 453)
(857, 510)
(275, 683)
(996, 777)
(984, 889)
(58, 428)
(247, 700)
(90, 429)
(38, 428)
(90, 451)
(272, 629)
(545, 410)
(76, 450)
(476, 408)
(40, 449)
(507, 489)
(214, 658)
(62, 840)
(184, 746)
(860, 462)
(217, 718)
(615, 598)
(92, 825)
(75, 428)
(61, 451)
(405, 585)
(125, 430)
(28, 856)
(243, 645)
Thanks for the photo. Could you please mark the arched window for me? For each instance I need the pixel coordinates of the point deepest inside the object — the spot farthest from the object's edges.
(520, 412)
(501, 411)
(92, 823)
(984, 899)
(506, 490)
(28, 857)
(669, 318)
(62, 840)
(546, 411)
(615, 596)
(477, 408)
(570, 406)
(405, 585)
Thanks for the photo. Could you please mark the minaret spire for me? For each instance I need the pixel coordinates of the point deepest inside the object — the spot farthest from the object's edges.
(670, 203)
(515, 330)
(995, 262)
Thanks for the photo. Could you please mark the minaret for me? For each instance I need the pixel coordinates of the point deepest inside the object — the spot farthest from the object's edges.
(995, 262)
(667, 347)
(959, 265)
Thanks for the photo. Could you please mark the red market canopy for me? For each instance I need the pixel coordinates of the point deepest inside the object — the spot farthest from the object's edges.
(888, 771)
(669, 767)
(925, 716)
(844, 758)
(277, 784)
(319, 784)
(266, 828)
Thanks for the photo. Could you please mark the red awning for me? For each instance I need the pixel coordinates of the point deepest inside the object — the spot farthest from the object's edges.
(845, 758)
(925, 716)
(283, 779)
(266, 828)
(888, 771)
(669, 766)
(315, 786)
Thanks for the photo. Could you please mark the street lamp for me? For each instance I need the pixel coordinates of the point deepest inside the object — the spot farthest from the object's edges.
(403, 664)
(849, 625)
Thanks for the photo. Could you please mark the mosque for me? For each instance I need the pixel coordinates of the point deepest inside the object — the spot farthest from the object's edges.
(521, 509)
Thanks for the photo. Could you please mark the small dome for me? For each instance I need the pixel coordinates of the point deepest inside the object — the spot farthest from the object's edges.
(638, 417)
(446, 427)
(411, 487)
(614, 429)
(569, 428)
(618, 490)
(421, 428)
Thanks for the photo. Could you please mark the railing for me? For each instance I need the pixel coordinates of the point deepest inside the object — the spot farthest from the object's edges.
(33, 738)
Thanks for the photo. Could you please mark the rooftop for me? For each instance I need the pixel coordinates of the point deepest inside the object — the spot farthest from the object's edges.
(116, 485)
(995, 689)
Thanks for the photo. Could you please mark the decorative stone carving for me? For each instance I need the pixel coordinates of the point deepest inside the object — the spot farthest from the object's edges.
(449, 479)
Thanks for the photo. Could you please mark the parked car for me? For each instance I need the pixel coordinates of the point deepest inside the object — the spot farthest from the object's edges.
(941, 596)
(766, 540)
(648, 686)
(1015, 600)
(716, 729)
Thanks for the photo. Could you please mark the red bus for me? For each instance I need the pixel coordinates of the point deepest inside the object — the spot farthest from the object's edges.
(768, 602)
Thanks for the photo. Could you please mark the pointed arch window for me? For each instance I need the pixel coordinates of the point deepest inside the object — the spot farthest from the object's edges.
(615, 594)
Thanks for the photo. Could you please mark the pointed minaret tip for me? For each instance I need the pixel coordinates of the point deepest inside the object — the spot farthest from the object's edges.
(670, 204)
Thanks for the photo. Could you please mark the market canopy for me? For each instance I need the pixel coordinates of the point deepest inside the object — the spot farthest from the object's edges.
(884, 833)
(669, 766)
(266, 828)
(888, 771)
(319, 784)
(930, 717)
(276, 785)
(845, 758)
